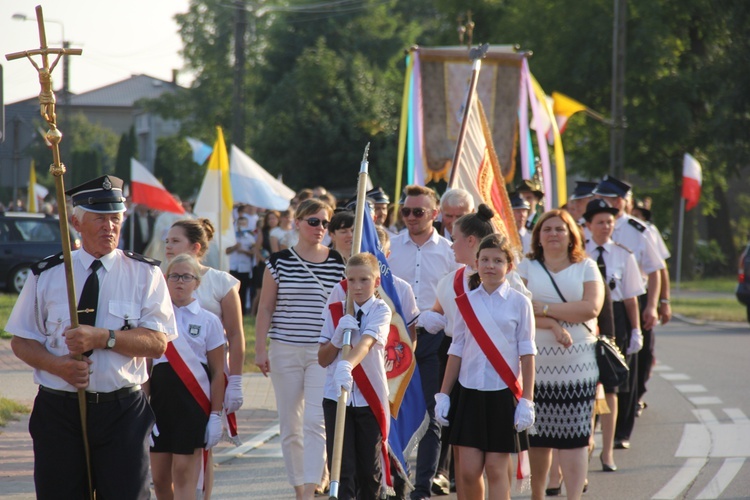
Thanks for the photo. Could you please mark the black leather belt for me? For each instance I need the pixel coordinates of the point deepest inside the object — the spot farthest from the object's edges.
(95, 397)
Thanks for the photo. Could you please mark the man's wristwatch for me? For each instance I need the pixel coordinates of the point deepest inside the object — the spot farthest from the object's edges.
(111, 340)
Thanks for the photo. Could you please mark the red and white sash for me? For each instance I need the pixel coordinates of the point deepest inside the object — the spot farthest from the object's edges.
(475, 317)
(458, 282)
(376, 397)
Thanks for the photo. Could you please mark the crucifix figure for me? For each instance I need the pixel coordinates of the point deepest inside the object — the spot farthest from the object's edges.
(46, 95)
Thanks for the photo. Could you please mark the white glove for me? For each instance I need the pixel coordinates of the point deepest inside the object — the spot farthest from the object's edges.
(233, 396)
(213, 430)
(348, 322)
(525, 415)
(432, 321)
(636, 341)
(442, 407)
(342, 377)
(154, 433)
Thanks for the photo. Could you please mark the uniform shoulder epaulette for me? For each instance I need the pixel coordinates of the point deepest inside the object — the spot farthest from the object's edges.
(640, 227)
(623, 247)
(48, 263)
(141, 258)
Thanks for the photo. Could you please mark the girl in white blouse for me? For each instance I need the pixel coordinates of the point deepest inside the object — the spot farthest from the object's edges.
(492, 357)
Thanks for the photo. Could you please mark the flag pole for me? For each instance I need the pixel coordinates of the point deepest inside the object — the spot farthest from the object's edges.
(338, 439)
(679, 243)
(476, 55)
(57, 169)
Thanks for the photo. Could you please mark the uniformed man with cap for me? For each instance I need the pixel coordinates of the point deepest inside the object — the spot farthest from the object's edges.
(380, 202)
(623, 280)
(632, 234)
(582, 194)
(127, 317)
(521, 209)
(531, 191)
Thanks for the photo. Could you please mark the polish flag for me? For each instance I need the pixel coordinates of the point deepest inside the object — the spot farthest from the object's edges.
(145, 189)
(691, 181)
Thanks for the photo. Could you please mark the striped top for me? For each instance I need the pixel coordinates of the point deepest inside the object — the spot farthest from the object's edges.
(300, 300)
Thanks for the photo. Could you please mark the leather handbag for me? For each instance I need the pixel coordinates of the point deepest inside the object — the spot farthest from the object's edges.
(613, 369)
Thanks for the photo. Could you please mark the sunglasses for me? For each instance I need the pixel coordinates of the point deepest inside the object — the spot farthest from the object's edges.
(315, 222)
(418, 212)
(186, 278)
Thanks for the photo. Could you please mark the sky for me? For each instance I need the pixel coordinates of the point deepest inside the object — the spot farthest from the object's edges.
(119, 39)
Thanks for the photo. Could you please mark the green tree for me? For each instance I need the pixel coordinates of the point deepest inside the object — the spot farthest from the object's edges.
(126, 149)
(175, 168)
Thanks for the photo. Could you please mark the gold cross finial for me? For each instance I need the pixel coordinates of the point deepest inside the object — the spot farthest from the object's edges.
(47, 95)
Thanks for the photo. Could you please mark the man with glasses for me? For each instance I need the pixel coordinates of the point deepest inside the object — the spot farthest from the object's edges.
(421, 257)
(125, 316)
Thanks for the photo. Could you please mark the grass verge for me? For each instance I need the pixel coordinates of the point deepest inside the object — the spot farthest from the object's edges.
(9, 410)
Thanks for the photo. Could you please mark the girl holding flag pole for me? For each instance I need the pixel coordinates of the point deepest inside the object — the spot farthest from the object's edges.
(492, 358)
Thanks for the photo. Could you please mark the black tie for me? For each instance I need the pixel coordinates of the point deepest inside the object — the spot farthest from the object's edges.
(89, 301)
(359, 317)
(601, 264)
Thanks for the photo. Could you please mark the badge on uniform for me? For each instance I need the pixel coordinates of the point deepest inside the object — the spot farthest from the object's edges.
(194, 330)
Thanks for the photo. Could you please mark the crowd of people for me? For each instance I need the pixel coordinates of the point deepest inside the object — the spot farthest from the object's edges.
(504, 339)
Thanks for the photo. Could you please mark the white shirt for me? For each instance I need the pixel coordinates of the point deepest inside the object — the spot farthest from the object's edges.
(238, 261)
(131, 293)
(376, 321)
(405, 295)
(201, 329)
(513, 316)
(639, 243)
(622, 270)
(215, 285)
(422, 266)
(525, 236)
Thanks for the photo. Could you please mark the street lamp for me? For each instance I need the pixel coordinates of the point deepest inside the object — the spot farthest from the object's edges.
(66, 75)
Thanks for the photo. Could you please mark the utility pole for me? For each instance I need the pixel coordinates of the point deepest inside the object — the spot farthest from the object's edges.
(238, 106)
(619, 123)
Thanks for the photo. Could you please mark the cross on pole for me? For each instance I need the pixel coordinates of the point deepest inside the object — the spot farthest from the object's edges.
(57, 169)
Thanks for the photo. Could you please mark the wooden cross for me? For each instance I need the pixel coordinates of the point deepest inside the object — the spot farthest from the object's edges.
(46, 95)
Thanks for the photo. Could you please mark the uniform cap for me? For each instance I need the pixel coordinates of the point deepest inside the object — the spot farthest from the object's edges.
(517, 202)
(530, 186)
(598, 206)
(378, 196)
(101, 195)
(611, 186)
(583, 189)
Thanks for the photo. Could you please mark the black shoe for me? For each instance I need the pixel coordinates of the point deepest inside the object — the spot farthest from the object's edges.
(553, 492)
(622, 444)
(441, 485)
(605, 467)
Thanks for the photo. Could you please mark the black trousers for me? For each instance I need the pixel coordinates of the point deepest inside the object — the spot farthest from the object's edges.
(118, 439)
(245, 282)
(361, 470)
(445, 461)
(646, 354)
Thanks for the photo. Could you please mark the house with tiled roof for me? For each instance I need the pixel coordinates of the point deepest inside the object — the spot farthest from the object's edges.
(113, 106)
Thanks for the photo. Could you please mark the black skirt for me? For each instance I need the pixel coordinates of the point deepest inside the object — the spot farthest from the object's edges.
(484, 420)
(622, 339)
(179, 417)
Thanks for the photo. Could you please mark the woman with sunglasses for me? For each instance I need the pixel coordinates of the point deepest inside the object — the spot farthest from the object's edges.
(219, 294)
(296, 286)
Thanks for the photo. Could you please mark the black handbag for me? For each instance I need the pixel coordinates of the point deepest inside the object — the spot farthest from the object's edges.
(613, 369)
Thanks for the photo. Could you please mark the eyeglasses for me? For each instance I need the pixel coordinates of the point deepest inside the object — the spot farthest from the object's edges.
(418, 212)
(185, 278)
(315, 222)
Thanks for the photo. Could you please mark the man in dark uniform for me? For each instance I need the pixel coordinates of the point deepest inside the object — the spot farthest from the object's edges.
(532, 192)
(125, 316)
(380, 203)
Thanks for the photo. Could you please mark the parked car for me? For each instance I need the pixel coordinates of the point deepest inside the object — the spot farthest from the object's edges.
(743, 278)
(26, 238)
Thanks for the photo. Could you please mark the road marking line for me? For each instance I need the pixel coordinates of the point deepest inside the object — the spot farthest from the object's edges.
(661, 368)
(675, 376)
(722, 479)
(695, 441)
(247, 446)
(705, 416)
(684, 388)
(737, 416)
(705, 400)
(684, 477)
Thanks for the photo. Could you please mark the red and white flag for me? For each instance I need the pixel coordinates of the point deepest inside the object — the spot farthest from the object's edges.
(145, 189)
(691, 181)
